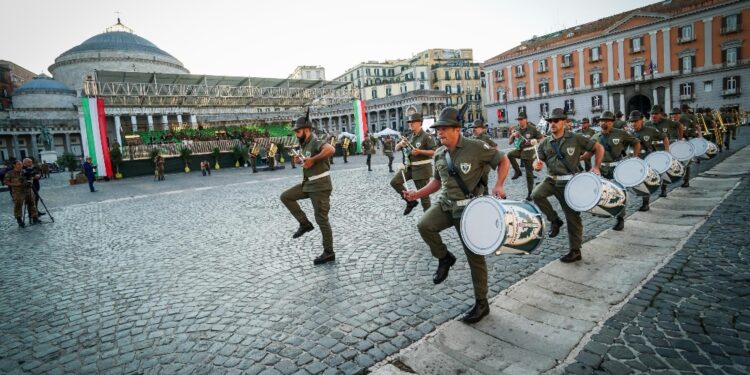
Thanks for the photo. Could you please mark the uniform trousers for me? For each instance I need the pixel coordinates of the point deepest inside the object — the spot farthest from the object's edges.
(321, 202)
(573, 222)
(390, 162)
(397, 182)
(527, 165)
(21, 198)
(609, 173)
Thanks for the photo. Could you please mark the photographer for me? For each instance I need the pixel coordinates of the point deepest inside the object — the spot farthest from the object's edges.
(21, 190)
(36, 173)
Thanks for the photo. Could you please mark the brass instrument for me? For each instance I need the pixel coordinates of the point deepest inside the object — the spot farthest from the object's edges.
(255, 150)
(717, 117)
(699, 119)
(272, 150)
(293, 152)
(345, 142)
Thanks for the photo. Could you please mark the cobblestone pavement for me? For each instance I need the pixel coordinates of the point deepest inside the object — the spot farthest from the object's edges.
(196, 275)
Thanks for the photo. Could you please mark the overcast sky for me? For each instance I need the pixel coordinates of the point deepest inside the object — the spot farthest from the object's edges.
(270, 38)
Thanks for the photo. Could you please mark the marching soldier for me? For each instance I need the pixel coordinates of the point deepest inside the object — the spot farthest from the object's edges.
(464, 159)
(587, 132)
(22, 193)
(620, 123)
(615, 142)
(332, 142)
(160, 167)
(345, 142)
(271, 156)
(316, 185)
(252, 157)
(388, 151)
(524, 139)
(561, 152)
(674, 131)
(728, 122)
(418, 149)
(367, 148)
(652, 139)
(479, 132)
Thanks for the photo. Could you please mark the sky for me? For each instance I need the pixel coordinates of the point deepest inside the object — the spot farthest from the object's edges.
(270, 38)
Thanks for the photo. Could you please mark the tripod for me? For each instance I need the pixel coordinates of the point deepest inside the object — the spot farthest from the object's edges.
(31, 194)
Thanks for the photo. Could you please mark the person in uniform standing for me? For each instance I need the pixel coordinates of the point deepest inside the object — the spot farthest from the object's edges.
(587, 132)
(388, 151)
(615, 142)
(89, 171)
(368, 148)
(345, 143)
(467, 158)
(22, 193)
(561, 152)
(620, 122)
(652, 139)
(251, 157)
(332, 142)
(524, 139)
(316, 185)
(271, 156)
(479, 132)
(674, 131)
(419, 151)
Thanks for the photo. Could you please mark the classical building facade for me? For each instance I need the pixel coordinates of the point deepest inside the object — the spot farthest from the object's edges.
(377, 80)
(667, 53)
(309, 72)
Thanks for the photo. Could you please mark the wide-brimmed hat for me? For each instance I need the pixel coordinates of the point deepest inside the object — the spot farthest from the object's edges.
(607, 116)
(521, 116)
(635, 115)
(478, 124)
(448, 117)
(557, 114)
(675, 111)
(414, 117)
(585, 120)
(656, 109)
(303, 122)
(618, 114)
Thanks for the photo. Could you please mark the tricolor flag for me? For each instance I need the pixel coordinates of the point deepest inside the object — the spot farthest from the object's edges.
(93, 127)
(360, 122)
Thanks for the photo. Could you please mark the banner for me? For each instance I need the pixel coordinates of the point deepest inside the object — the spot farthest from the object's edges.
(360, 122)
(93, 128)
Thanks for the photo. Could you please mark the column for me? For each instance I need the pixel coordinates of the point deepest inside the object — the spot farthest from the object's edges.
(16, 153)
(581, 72)
(707, 43)
(621, 59)
(610, 68)
(164, 122)
(611, 102)
(66, 145)
(554, 74)
(532, 85)
(134, 123)
(509, 91)
(118, 130)
(622, 102)
(194, 121)
(667, 98)
(150, 119)
(653, 50)
(667, 55)
(179, 119)
(656, 100)
(489, 90)
(34, 147)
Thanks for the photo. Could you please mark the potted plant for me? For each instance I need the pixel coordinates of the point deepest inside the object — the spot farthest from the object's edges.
(216, 152)
(185, 156)
(115, 155)
(70, 162)
(237, 155)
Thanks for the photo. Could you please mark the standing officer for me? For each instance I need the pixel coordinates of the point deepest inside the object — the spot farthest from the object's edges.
(562, 154)
(615, 142)
(620, 123)
(587, 132)
(388, 151)
(464, 159)
(652, 139)
(252, 157)
(419, 163)
(524, 139)
(674, 131)
(89, 169)
(367, 148)
(316, 185)
(479, 132)
(22, 193)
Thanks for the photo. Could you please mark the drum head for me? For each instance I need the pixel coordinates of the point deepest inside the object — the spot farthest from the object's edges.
(682, 150)
(483, 225)
(631, 172)
(583, 192)
(660, 161)
(700, 145)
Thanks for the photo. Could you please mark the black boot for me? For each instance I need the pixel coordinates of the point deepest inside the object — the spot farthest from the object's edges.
(325, 258)
(516, 175)
(555, 229)
(663, 193)
(480, 310)
(35, 220)
(20, 223)
(620, 225)
(644, 206)
(303, 228)
(572, 256)
(410, 206)
(444, 266)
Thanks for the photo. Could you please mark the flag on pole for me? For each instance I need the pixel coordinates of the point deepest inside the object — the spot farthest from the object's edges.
(93, 128)
(360, 123)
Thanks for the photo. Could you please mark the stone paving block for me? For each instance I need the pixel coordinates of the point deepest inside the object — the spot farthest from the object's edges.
(540, 315)
(563, 305)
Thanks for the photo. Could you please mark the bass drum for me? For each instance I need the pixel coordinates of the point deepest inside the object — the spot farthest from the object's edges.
(683, 151)
(660, 161)
(587, 192)
(637, 175)
(490, 225)
(704, 148)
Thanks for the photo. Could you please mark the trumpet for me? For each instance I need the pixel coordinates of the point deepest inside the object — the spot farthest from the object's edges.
(297, 153)
(406, 140)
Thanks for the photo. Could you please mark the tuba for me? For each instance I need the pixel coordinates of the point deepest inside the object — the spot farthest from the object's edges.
(272, 150)
(255, 150)
(345, 142)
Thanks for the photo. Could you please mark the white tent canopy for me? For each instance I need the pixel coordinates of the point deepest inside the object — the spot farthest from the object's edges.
(387, 131)
(348, 135)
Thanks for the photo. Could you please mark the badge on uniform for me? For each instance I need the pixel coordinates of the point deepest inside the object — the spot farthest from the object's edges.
(465, 167)
(307, 154)
(646, 137)
(570, 150)
(418, 144)
(616, 141)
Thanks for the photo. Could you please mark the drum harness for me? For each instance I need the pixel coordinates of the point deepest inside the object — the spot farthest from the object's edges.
(553, 143)
(461, 184)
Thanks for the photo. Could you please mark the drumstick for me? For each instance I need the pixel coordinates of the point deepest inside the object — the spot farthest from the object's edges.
(404, 177)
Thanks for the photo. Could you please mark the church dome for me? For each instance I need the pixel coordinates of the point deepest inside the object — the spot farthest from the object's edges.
(43, 84)
(43, 92)
(117, 41)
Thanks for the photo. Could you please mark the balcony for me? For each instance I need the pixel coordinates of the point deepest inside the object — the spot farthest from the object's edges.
(569, 89)
(730, 92)
(567, 64)
(595, 59)
(686, 97)
(571, 111)
(520, 74)
(728, 64)
(731, 29)
(685, 39)
(542, 70)
(637, 50)
(596, 108)
(544, 94)
(638, 78)
(686, 70)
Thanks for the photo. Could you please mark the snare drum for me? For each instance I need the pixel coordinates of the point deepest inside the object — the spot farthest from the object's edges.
(587, 192)
(637, 175)
(704, 148)
(488, 225)
(683, 151)
(676, 170)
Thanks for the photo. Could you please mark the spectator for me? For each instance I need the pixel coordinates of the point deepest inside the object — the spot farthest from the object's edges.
(88, 170)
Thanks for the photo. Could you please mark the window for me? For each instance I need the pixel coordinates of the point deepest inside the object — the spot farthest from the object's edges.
(457, 74)
(544, 109)
(388, 91)
(522, 109)
(499, 75)
(501, 95)
(367, 71)
(594, 54)
(421, 86)
(636, 72)
(687, 64)
(730, 56)
(521, 91)
(731, 85)
(421, 76)
(730, 24)
(447, 75)
(542, 65)
(567, 60)
(448, 89)
(686, 34)
(544, 88)
(708, 86)
(570, 106)
(636, 45)
(686, 91)
(449, 102)
(519, 70)
(569, 84)
(374, 93)
(467, 75)
(596, 80)
(596, 103)
(501, 115)
(476, 74)
(460, 100)
(458, 88)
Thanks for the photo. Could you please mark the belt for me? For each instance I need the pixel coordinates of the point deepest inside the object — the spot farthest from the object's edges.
(463, 202)
(421, 162)
(657, 142)
(317, 176)
(565, 177)
(612, 164)
(528, 148)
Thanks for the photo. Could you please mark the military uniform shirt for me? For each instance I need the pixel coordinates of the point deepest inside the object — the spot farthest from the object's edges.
(619, 124)
(484, 137)
(571, 147)
(688, 122)
(366, 146)
(469, 159)
(588, 132)
(14, 176)
(666, 126)
(529, 132)
(617, 141)
(422, 141)
(310, 149)
(649, 137)
(388, 147)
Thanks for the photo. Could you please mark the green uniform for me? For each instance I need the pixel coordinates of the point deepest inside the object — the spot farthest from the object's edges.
(525, 151)
(345, 149)
(689, 125)
(469, 158)
(652, 139)
(316, 185)
(571, 147)
(588, 133)
(666, 126)
(367, 149)
(252, 159)
(21, 194)
(418, 168)
(615, 143)
(730, 127)
(619, 124)
(484, 137)
(388, 145)
(332, 142)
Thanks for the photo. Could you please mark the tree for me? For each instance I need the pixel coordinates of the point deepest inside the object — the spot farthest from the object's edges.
(115, 155)
(68, 161)
(185, 156)
(216, 153)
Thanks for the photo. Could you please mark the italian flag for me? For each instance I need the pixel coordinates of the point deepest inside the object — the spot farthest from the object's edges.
(93, 127)
(360, 123)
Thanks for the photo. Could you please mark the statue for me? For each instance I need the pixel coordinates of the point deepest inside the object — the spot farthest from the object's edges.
(46, 137)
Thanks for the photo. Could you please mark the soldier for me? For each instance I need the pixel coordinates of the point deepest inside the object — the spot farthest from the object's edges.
(615, 142)
(251, 157)
(388, 151)
(587, 132)
(418, 166)
(652, 139)
(468, 157)
(332, 142)
(524, 139)
(620, 123)
(368, 148)
(345, 143)
(674, 131)
(479, 132)
(316, 185)
(271, 157)
(22, 193)
(729, 125)
(561, 152)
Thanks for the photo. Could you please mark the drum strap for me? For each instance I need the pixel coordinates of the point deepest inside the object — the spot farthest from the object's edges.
(454, 173)
(553, 142)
